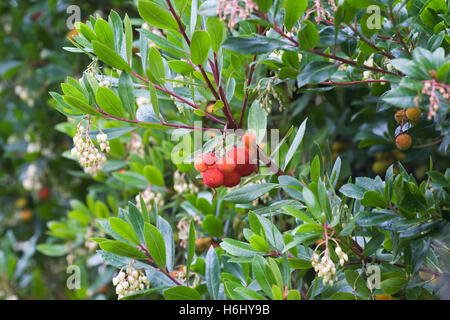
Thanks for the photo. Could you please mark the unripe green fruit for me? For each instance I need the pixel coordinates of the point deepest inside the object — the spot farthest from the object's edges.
(413, 115)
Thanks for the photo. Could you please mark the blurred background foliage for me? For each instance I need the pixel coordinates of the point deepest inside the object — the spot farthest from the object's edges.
(42, 191)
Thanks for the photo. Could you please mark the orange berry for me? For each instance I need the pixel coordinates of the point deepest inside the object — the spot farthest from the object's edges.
(26, 215)
(249, 140)
(226, 164)
(383, 296)
(199, 165)
(213, 178)
(403, 141)
(231, 179)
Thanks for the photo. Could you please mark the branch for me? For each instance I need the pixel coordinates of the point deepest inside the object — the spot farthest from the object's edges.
(173, 94)
(249, 81)
(150, 259)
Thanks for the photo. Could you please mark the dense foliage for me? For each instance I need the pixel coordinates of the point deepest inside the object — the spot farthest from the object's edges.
(344, 106)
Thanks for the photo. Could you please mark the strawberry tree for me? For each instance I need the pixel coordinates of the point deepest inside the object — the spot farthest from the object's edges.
(262, 213)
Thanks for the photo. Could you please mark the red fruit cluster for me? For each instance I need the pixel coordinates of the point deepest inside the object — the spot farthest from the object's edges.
(228, 170)
(44, 193)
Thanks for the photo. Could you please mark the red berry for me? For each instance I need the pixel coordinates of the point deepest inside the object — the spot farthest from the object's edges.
(231, 179)
(246, 169)
(240, 155)
(213, 178)
(226, 164)
(44, 193)
(209, 159)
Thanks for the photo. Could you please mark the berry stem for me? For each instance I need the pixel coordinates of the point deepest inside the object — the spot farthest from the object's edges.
(164, 270)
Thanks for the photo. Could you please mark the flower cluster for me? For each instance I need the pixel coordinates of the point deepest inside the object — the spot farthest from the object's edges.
(324, 266)
(181, 186)
(23, 94)
(183, 229)
(180, 274)
(136, 146)
(235, 9)
(130, 282)
(32, 179)
(149, 196)
(430, 87)
(84, 149)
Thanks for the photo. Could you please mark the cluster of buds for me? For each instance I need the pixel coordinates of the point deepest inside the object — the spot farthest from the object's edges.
(430, 87)
(268, 94)
(235, 9)
(130, 282)
(23, 94)
(142, 101)
(136, 146)
(32, 178)
(181, 186)
(180, 274)
(149, 196)
(324, 266)
(183, 229)
(105, 83)
(84, 149)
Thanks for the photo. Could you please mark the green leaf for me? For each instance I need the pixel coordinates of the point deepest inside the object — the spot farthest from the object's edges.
(256, 44)
(155, 16)
(373, 218)
(80, 105)
(249, 294)
(181, 293)
(200, 45)
(259, 243)
(373, 245)
(155, 244)
(122, 249)
(295, 144)
(154, 101)
(249, 192)
(238, 248)
(316, 72)
(299, 214)
(293, 295)
(128, 37)
(393, 285)
(52, 250)
(212, 225)
(109, 57)
(294, 9)
(374, 199)
(104, 33)
(263, 274)
(117, 28)
(264, 5)
(308, 37)
(109, 102)
(181, 67)
(132, 178)
(155, 65)
(312, 204)
(123, 229)
(136, 220)
(257, 122)
(216, 30)
(352, 191)
(212, 273)
(126, 92)
(154, 176)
